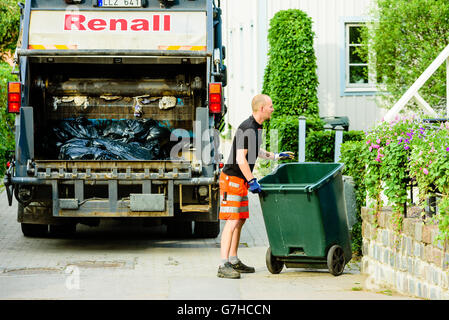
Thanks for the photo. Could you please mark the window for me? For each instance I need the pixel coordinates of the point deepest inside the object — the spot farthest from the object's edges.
(357, 64)
(357, 78)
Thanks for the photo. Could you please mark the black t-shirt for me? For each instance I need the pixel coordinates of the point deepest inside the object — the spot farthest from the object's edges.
(249, 137)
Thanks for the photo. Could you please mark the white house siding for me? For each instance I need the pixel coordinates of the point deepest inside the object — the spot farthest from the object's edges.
(245, 35)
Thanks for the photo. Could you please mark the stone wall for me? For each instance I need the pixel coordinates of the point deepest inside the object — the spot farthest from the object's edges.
(411, 262)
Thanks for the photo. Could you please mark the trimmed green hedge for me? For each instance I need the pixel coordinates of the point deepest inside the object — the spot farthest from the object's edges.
(287, 130)
(320, 145)
(355, 167)
(290, 77)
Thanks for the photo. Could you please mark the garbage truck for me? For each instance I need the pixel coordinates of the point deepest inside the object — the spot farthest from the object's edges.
(119, 106)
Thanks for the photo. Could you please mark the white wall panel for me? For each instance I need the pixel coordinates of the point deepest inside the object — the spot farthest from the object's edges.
(245, 38)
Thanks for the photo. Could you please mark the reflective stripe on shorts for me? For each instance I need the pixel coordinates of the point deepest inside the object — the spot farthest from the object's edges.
(233, 198)
(234, 209)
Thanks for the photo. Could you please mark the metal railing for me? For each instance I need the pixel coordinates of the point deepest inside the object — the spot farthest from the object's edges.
(412, 92)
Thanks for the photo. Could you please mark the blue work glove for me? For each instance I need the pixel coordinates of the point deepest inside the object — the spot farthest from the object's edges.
(254, 186)
(284, 155)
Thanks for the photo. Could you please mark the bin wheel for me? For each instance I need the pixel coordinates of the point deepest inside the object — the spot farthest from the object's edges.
(336, 260)
(274, 266)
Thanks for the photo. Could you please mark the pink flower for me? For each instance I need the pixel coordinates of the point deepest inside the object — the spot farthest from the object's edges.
(378, 141)
(426, 172)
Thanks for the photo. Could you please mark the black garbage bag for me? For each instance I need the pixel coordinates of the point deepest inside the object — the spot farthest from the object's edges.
(78, 128)
(124, 151)
(130, 130)
(77, 149)
(158, 132)
(81, 139)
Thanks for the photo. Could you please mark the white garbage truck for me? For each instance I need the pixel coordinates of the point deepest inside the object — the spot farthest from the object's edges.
(119, 106)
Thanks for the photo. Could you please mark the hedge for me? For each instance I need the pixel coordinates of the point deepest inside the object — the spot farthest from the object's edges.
(6, 120)
(290, 77)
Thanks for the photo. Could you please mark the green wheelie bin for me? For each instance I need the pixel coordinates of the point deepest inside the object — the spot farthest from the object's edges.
(304, 212)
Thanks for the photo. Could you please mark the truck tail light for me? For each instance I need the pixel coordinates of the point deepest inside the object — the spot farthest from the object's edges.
(215, 97)
(14, 97)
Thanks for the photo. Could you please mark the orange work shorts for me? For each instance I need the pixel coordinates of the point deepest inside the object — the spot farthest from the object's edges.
(233, 198)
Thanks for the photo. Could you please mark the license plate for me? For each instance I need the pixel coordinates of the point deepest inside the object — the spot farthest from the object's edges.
(120, 3)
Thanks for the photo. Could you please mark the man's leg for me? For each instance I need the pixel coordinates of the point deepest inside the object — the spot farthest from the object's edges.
(225, 270)
(227, 238)
(236, 237)
(233, 258)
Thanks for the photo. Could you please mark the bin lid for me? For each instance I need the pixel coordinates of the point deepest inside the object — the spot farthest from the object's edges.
(337, 121)
(300, 176)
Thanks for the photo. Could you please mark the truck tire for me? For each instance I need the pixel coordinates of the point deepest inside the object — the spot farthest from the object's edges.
(34, 230)
(179, 229)
(62, 230)
(207, 229)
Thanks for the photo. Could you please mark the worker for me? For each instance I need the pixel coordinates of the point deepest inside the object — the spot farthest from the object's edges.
(236, 179)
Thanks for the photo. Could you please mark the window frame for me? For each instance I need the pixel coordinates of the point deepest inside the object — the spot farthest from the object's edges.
(346, 88)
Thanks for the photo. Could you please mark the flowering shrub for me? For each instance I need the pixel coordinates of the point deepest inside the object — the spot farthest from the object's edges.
(404, 150)
(429, 166)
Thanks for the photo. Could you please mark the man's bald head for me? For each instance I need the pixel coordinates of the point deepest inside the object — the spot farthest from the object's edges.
(258, 101)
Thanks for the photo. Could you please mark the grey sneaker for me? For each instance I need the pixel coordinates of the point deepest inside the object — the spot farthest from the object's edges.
(228, 272)
(243, 268)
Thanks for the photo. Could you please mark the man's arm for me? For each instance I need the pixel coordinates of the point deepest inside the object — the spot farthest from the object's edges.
(266, 155)
(276, 156)
(254, 186)
(243, 164)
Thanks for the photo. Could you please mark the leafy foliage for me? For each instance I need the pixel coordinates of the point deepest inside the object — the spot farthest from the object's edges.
(394, 153)
(6, 120)
(355, 167)
(320, 145)
(290, 77)
(405, 37)
(9, 25)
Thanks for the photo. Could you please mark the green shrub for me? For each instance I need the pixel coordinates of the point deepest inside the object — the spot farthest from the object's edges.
(404, 38)
(290, 77)
(287, 128)
(6, 120)
(320, 145)
(9, 24)
(355, 167)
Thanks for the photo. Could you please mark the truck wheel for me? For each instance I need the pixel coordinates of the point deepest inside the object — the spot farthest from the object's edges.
(207, 229)
(179, 229)
(336, 260)
(34, 230)
(274, 266)
(62, 230)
